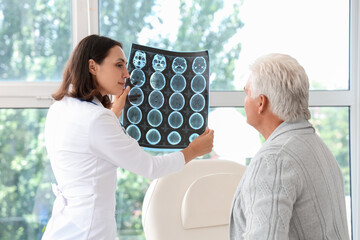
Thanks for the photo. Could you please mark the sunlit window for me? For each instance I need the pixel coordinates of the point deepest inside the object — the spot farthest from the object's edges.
(36, 42)
(35, 39)
(25, 194)
(235, 33)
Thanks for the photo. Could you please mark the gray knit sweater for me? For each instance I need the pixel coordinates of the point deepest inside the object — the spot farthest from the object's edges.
(292, 189)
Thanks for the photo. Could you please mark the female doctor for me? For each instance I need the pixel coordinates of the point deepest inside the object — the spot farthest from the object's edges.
(86, 143)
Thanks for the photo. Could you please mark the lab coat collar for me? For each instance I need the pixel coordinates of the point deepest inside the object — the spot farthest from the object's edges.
(97, 101)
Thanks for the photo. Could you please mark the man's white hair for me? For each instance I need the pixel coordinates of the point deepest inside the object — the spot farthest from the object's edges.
(284, 82)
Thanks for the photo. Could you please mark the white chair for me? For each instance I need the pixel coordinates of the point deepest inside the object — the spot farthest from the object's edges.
(193, 204)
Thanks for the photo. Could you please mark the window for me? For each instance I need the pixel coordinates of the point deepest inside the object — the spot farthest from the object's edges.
(293, 27)
(25, 193)
(238, 32)
(37, 38)
(35, 44)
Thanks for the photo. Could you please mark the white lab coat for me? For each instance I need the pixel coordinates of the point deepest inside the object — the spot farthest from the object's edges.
(86, 144)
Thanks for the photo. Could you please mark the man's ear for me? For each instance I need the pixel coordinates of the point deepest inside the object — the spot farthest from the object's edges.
(262, 103)
(92, 67)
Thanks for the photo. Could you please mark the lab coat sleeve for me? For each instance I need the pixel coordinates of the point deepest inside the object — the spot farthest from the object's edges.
(108, 141)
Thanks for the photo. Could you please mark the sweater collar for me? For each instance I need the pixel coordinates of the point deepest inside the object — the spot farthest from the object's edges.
(285, 127)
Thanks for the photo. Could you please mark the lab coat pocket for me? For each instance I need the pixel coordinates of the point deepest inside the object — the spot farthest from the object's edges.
(80, 210)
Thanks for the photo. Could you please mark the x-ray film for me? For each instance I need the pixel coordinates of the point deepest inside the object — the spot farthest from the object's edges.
(167, 106)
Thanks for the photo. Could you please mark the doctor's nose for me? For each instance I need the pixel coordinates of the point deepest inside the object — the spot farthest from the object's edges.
(126, 74)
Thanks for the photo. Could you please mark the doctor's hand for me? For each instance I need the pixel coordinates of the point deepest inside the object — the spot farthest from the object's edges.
(119, 102)
(201, 145)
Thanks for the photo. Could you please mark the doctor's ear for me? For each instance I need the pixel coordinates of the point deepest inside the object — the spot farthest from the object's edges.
(92, 67)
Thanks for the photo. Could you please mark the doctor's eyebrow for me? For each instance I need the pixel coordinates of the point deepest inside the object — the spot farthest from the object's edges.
(121, 60)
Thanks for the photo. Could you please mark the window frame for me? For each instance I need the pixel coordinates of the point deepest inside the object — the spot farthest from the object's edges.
(85, 21)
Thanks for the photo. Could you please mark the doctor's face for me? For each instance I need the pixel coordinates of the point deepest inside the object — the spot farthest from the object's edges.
(112, 72)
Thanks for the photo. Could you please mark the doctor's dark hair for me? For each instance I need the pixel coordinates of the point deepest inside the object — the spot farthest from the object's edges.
(77, 81)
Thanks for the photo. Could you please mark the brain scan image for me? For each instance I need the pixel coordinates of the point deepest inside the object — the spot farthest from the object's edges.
(197, 102)
(198, 84)
(157, 81)
(175, 119)
(139, 59)
(154, 118)
(178, 83)
(179, 65)
(193, 136)
(196, 121)
(153, 136)
(134, 115)
(156, 99)
(134, 132)
(159, 63)
(199, 65)
(137, 77)
(168, 103)
(177, 101)
(174, 138)
(136, 96)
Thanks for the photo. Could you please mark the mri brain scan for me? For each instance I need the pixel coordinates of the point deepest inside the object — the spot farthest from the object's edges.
(175, 119)
(178, 83)
(198, 84)
(134, 132)
(157, 80)
(159, 62)
(154, 118)
(168, 104)
(139, 59)
(137, 77)
(179, 65)
(199, 65)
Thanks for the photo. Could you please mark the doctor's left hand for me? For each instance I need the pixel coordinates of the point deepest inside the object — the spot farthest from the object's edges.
(119, 102)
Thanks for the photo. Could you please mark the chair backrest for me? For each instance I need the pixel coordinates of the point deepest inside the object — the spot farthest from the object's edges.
(192, 204)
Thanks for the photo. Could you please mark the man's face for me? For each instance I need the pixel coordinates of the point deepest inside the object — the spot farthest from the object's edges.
(251, 106)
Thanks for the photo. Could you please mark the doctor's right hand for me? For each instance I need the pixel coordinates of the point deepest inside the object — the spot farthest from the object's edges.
(201, 145)
(119, 102)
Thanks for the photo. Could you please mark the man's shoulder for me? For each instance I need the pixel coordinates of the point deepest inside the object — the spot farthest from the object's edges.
(284, 150)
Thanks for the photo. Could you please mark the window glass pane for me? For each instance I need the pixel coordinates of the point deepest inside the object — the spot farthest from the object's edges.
(35, 38)
(211, 25)
(234, 140)
(25, 190)
(25, 181)
(237, 32)
(316, 33)
(332, 125)
(237, 141)
(130, 195)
